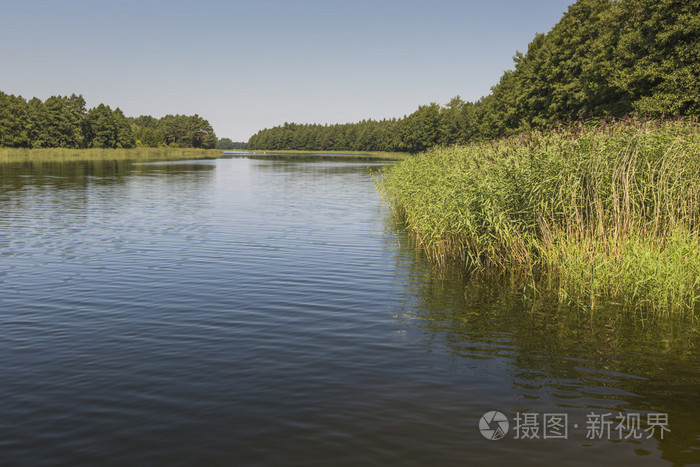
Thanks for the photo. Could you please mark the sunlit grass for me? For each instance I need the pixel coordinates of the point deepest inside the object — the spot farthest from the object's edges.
(383, 155)
(609, 211)
(64, 154)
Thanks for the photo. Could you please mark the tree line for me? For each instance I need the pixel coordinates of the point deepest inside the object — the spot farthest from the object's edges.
(228, 143)
(605, 58)
(65, 122)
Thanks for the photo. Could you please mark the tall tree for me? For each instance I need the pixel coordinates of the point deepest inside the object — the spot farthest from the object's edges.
(13, 115)
(108, 128)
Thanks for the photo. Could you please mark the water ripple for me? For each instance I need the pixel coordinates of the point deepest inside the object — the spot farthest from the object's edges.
(262, 312)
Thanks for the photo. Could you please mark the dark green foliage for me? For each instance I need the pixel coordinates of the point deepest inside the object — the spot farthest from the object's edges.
(660, 44)
(183, 131)
(367, 135)
(604, 58)
(66, 116)
(428, 126)
(108, 128)
(420, 130)
(58, 122)
(147, 132)
(151, 137)
(64, 122)
(14, 112)
(227, 143)
(187, 131)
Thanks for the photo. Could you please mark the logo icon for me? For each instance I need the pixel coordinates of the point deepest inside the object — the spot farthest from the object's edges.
(493, 425)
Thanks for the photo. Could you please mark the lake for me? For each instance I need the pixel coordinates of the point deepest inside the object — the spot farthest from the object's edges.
(270, 312)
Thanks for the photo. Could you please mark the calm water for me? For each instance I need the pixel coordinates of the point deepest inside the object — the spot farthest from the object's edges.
(247, 311)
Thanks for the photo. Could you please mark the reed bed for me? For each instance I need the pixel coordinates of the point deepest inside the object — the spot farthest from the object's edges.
(607, 211)
(370, 155)
(65, 154)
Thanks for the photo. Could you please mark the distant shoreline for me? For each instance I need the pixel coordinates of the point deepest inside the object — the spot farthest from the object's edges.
(63, 154)
(377, 155)
(67, 154)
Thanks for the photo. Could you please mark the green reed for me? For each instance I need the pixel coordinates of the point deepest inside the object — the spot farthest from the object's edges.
(61, 154)
(370, 155)
(608, 211)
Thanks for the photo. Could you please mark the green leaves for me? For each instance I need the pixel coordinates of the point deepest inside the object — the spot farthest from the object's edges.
(107, 128)
(604, 58)
(13, 115)
(607, 58)
(64, 122)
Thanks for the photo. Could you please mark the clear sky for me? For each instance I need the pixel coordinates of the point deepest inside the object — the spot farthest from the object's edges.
(249, 65)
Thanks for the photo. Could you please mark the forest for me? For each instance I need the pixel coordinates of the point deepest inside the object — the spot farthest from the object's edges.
(227, 143)
(605, 58)
(578, 176)
(65, 122)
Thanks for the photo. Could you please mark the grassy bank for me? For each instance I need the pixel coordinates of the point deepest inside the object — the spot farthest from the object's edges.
(604, 212)
(19, 154)
(372, 155)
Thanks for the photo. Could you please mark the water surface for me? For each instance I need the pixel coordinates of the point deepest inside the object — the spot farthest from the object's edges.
(252, 311)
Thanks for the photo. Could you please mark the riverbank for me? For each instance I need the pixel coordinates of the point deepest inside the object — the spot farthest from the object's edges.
(370, 155)
(606, 212)
(65, 154)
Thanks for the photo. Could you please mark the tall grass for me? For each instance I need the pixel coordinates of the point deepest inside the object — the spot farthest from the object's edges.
(369, 155)
(606, 211)
(45, 154)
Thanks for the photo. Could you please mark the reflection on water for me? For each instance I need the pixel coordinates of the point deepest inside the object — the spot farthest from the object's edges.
(269, 312)
(82, 173)
(561, 358)
(310, 157)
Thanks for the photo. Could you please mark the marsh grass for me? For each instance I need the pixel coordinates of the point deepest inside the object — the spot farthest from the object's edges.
(65, 154)
(330, 155)
(607, 211)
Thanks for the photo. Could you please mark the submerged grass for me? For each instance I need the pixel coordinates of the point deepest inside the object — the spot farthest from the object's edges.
(65, 154)
(609, 211)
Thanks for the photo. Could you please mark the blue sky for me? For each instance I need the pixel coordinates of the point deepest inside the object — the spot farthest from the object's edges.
(249, 65)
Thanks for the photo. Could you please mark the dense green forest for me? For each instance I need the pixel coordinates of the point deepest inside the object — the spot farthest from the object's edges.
(64, 122)
(604, 58)
(227, 143)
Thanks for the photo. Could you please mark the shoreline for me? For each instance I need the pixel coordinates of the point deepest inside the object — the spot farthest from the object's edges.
(67, 154)
(369, 155)
(609, 212)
